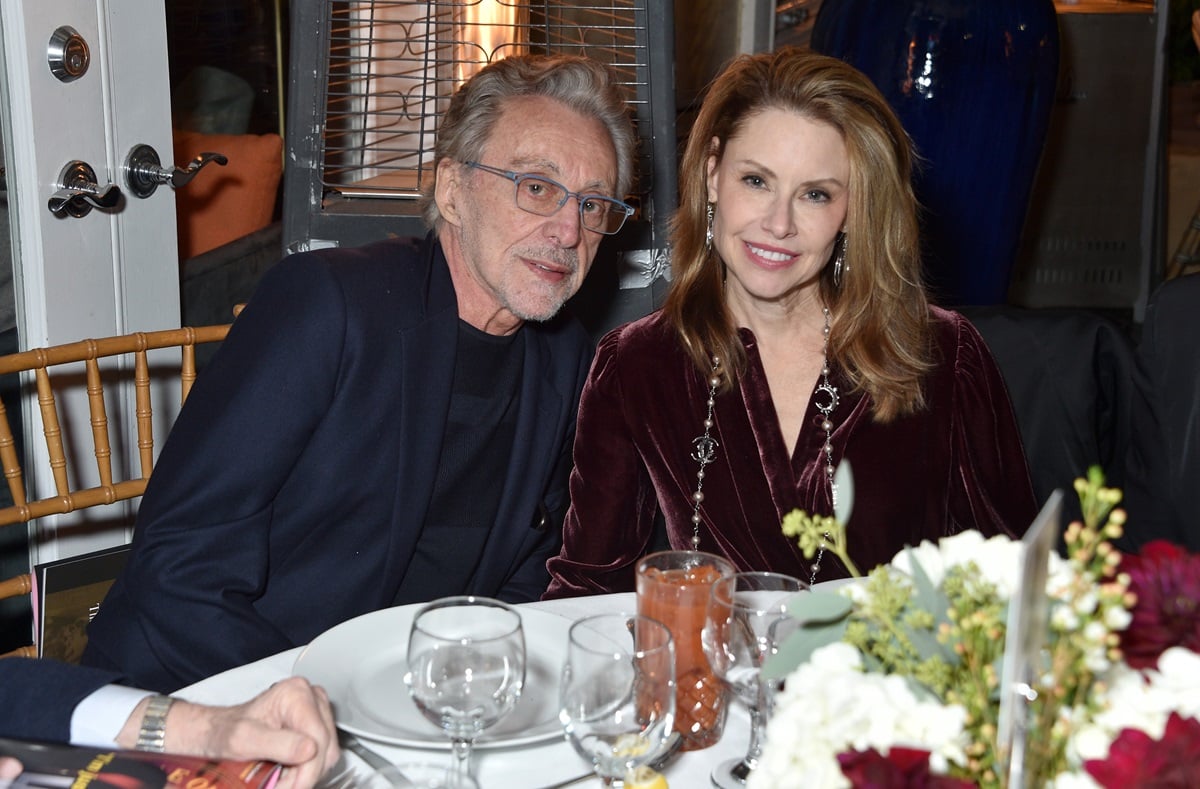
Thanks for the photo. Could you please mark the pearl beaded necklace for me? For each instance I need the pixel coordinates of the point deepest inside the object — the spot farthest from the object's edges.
(825, 398)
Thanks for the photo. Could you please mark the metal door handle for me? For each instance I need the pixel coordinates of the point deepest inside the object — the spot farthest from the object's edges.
(144, 172)
(77, 191)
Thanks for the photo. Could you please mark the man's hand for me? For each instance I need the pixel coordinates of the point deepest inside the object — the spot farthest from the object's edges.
(10, 768)
(290, 723)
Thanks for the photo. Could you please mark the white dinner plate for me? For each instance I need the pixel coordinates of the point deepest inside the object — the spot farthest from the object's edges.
(361, 664)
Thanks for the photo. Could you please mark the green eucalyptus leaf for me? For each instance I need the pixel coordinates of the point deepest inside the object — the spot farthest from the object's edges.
(818, 607)
(799, 646)
(921, 691)
(928, 597)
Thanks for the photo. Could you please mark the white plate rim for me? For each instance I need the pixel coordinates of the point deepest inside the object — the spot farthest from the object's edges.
(331, 659)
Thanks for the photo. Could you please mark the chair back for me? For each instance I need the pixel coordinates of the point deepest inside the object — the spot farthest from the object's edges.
(1162, 497)
(1069, 374)
(49, 363)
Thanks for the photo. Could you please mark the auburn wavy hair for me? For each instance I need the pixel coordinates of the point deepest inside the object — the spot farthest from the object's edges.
(880, 333)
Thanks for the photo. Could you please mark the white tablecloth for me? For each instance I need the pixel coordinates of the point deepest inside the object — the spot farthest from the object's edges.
(526, 767)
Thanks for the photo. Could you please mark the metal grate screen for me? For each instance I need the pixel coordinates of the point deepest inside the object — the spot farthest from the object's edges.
(394, 64)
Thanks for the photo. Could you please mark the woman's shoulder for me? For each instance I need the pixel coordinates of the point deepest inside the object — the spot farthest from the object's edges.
(651, 334)
(638, 348)
(953, 333)
(963, 359)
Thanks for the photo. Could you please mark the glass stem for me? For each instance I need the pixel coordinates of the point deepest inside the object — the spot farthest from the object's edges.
(460, 765)
(759, 712)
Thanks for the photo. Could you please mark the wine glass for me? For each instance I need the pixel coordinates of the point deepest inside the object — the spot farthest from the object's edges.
(466, 668)
(747, 621)
(617, 696)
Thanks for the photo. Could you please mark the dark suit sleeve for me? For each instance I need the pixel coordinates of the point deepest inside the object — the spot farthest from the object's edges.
(1162, 497)
(1069, 375)
(38, 697)
(184, 607)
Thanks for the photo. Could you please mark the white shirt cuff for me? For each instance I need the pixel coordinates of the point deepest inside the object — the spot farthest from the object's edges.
(98, 719)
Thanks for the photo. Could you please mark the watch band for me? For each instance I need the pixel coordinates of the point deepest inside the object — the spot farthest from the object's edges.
(152, 735)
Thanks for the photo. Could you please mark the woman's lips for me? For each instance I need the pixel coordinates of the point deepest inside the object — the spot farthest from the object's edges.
(769, 257)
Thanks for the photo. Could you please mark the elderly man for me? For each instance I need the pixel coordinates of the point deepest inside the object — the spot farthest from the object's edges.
(392, 423)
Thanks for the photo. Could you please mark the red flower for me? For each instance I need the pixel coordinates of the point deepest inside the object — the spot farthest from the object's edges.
(1166, 580)
(1136, 760)
(902, 768)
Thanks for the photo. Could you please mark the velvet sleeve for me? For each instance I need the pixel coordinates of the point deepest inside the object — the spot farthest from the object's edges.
(990, 484)
(611, 517)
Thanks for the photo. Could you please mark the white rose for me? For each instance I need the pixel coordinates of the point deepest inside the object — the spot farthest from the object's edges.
(1178, 678)
(1074, 780)
(928, 556)
(1090, 742)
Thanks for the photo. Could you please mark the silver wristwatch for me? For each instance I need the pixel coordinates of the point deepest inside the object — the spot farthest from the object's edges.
(152, 735)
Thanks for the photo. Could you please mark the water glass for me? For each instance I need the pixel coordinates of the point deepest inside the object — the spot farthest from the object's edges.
(617, 696)
(748, 618)
(466, 669)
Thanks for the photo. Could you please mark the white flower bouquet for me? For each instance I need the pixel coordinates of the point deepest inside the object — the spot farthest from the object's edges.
(896, 676)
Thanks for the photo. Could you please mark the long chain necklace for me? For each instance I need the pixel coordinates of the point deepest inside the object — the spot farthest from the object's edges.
(705, 453)
(825, 399)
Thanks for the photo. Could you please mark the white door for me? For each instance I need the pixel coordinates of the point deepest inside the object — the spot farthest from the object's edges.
(111, 270)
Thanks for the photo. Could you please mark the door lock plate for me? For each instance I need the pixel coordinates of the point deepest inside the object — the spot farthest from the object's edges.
(68, 54)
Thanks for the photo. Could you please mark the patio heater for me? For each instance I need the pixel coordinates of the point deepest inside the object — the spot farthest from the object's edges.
(370, 80)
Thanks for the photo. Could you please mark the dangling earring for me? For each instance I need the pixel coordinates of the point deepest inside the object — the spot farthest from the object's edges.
(839, 261)
(708, 236)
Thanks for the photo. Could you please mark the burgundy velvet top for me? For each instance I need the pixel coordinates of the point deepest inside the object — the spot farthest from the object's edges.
(958, 464)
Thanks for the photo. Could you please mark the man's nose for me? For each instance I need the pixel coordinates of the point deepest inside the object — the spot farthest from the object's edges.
(566, 224)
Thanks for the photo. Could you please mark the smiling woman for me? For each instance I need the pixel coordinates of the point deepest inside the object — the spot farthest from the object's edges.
(796, 336)
(779, 193)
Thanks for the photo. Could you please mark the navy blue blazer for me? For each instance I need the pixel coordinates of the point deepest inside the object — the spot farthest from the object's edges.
(37, 697)
(293, 486)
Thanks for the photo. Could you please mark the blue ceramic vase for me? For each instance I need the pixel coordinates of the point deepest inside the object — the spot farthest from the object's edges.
(973, 82)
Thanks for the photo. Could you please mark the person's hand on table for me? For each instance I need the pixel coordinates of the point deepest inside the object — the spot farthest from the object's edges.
(291, 723)
(10, 768)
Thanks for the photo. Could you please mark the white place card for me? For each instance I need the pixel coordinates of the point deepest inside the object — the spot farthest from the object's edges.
(1028, 623)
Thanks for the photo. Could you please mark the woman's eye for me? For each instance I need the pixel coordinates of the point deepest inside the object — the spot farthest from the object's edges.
(817, 196)
(755, 181)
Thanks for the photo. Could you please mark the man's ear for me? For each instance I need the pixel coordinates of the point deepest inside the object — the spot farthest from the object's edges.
(446, 190)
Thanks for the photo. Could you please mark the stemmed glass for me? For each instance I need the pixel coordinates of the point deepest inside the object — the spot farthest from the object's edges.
(466, 668)
(747, 621)
(617, 696)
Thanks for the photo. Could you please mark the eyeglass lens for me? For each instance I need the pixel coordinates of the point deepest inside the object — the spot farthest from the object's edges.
(543, 196)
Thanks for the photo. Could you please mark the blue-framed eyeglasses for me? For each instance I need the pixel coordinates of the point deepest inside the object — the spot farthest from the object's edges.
(542, 196)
